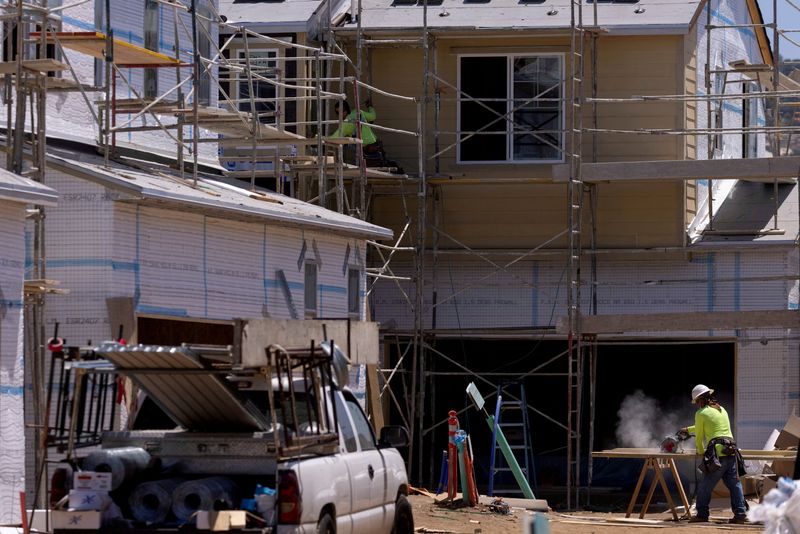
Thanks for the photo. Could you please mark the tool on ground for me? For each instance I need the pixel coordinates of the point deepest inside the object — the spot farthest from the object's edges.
(499, 506)
(519, 476)
(674, 442)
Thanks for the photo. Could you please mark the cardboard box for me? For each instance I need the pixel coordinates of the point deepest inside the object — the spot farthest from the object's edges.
(88, 500)
(91, 480)
(766, 485)
(75, 520)
(221, 521)
(749, 487)
(790, 435)
(783, 468)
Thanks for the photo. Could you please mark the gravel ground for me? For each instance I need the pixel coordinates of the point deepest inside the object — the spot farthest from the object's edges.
(433, 518)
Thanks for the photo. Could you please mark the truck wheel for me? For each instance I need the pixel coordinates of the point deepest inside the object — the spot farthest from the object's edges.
(326, 525)
(403, 517)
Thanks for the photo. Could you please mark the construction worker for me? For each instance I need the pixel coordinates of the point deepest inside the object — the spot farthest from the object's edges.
(348, 128)
(721, 457)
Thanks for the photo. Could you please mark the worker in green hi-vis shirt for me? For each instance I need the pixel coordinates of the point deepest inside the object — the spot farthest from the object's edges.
(721, 457)
(348, 128)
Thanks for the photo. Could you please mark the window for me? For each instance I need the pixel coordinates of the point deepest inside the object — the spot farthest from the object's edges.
(348, 434)
(151, 42)
(262, 63)
(511, 108)
(311, 289)
(716, 111)
(365, 436)
(749, 120)
(354, 292)
(204, 47)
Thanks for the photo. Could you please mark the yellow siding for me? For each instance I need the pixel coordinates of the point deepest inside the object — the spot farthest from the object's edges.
(523, 215)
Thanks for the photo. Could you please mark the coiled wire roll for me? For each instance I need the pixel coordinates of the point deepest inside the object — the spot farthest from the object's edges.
(151, 502)
(123, 463)
(201, 494)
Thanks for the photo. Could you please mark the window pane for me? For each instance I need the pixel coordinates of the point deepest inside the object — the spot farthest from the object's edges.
(537, 99)
(484, 79)
(263, 64)
(311, 289)
(151, 26)
(363, 428)
(353, 290)
(348, 435)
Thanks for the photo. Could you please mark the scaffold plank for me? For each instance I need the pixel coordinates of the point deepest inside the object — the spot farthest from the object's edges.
(42, 66)
(94, 44)
(784, 169)
(688, 321)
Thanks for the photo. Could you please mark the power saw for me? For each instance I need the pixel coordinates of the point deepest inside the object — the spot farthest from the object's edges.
(674, 442)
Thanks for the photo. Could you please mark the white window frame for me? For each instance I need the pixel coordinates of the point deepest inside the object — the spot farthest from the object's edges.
(241, 54)
(510, 98)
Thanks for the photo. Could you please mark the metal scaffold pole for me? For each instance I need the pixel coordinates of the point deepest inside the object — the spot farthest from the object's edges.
(574, 222)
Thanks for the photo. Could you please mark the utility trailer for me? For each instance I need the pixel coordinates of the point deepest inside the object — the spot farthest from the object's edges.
(266, 439)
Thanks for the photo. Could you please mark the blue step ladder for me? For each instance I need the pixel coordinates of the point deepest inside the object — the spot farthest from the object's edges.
(511, 414)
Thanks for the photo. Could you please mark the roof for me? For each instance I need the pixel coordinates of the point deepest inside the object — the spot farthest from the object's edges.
(288, 15)
(20, 189)
(226, 199)
(294, 16)
(645, 16)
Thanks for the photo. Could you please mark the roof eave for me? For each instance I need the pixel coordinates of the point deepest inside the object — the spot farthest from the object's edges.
(143, 194)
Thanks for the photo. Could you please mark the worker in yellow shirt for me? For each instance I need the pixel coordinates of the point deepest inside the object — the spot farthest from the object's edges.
(721, 458)
(348, 128)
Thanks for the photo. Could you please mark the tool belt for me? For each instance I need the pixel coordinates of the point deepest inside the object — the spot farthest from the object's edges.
(711, 463)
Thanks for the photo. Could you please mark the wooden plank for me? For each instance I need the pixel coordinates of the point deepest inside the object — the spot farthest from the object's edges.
(638, 488)
(374, 398)
(688, 321)
(785, 169)
(647, 453)
(94, 44)
(42, 66)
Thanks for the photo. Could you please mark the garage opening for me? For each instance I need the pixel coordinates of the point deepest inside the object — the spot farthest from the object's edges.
(663, 372)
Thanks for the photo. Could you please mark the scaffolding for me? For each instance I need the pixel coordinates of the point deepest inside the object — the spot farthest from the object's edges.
(250, 127)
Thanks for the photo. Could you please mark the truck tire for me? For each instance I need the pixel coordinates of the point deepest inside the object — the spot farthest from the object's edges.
(403, 517)
(326, 525)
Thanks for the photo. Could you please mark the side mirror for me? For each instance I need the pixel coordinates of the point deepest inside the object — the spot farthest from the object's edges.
(393, 436)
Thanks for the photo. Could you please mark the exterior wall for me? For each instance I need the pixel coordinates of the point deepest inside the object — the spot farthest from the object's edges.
(532, 293)
(180, 264)
(79, 255)
(727, 45)
(190, 265)
(628, 215)
(67, 112)
(12, 424)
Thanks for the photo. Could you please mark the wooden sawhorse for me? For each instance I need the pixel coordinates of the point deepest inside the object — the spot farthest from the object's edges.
(658, 465)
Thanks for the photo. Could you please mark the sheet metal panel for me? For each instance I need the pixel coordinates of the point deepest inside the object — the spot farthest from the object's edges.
(197, 401)
(20, 189)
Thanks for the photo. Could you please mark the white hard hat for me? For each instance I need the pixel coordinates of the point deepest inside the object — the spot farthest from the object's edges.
(700, 389)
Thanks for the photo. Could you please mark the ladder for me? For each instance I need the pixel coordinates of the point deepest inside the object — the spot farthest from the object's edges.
(511, 414)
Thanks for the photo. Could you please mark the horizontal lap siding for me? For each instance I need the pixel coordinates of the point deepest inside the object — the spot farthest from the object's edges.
(524, 215)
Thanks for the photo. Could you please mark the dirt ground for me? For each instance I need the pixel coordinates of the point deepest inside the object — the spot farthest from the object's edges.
(431, 518)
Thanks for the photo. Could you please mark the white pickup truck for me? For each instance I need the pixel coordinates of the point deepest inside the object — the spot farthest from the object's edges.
(287, 426)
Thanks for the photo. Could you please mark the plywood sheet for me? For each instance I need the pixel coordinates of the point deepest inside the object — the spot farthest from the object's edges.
(94, 44)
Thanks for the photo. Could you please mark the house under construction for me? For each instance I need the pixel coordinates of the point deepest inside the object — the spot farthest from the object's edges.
(596, 197)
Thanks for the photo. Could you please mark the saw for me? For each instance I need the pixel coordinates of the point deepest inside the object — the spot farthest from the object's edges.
(674, 442)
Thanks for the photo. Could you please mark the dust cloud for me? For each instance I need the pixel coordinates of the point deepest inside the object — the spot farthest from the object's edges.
(642, 423)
